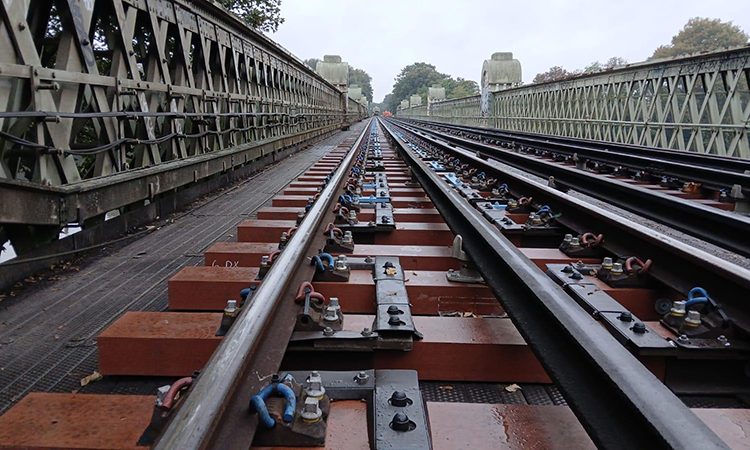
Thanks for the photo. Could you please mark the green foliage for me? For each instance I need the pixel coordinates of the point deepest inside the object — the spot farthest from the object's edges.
(414, 79)
(264, 15)
(385, 106)
(611, 63)
(558, 73)
(459, 87)
(555, 73)
(418, 77)
(702, 34)
(595, 66)
(615, 61)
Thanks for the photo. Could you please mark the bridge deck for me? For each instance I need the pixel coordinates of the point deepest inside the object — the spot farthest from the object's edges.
(47, 335)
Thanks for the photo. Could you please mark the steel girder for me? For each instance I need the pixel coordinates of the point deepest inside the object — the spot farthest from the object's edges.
(93, 88)
(699, 104)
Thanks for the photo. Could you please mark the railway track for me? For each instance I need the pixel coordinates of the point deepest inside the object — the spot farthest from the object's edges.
(405, 293)
(718, 172)
(695, 194)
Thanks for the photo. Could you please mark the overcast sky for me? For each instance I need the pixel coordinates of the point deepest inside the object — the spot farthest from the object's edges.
(383, 36)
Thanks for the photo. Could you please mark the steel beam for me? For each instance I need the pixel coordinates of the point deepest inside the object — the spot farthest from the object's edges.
(116, 101)
(696, 103)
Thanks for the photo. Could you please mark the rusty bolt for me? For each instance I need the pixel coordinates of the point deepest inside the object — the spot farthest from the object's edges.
(314, 386)
(331, 315)
(678, 308)
(361, 377)
(311, 411)
(693, 319)
(231, 309)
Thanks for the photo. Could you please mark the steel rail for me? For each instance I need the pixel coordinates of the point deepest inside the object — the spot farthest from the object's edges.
(703, 167)
(197, 419)
(678, 265)
(725, 229)
(618, 401)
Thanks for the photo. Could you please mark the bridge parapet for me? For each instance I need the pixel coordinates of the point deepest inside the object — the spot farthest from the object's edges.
(108, 103)
(699, 103)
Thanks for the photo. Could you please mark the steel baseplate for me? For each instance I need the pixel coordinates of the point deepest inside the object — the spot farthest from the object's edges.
(400, 420)
(393, 326)
(384, 215)
(464, 275)
(388, 393)
(393, 318)
(622, 323)
(343, 385)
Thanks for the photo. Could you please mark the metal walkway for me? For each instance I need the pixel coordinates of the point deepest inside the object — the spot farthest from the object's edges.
(47, 336)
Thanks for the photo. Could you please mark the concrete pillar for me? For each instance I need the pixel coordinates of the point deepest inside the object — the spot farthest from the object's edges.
(333, 70)
(435, 93)
(355, 93)
(336, 72)
(499, 72)
(415, 100)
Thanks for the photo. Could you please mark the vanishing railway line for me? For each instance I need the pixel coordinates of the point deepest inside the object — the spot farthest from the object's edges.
(350, 314)
(410, 289)
(705, 168)
(692, 193)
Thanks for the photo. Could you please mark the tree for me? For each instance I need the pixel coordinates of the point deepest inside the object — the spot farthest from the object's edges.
(363, 80)
(417, 78)
(555, 73)
(615, 61)
(702, 34)
(385, 106)
(459, 87)
(414, 79)
(596, 66)
(265, 15)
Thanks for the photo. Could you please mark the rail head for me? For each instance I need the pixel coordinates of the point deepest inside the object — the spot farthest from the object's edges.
(619, 402)
(197, 418)
(681, 266)
(710, 224)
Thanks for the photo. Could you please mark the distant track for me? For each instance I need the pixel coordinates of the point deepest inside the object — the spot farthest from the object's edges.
(711, 224)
